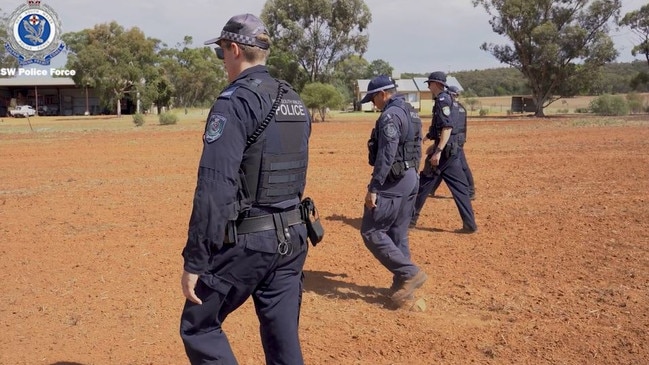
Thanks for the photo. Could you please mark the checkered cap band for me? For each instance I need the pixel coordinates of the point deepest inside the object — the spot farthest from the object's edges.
(243, 39)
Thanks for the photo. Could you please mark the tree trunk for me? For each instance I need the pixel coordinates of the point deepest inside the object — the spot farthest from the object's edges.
(119, 107)
(539, 107)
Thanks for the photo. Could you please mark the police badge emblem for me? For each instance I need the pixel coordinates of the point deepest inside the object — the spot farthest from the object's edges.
(34, 34)
(215, 125)
(446, 110)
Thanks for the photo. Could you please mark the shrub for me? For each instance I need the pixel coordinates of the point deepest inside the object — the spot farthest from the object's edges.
(167, 118)
(636, 102)
(138, 119)
(483, 112)
(582, 110)
(609, 105)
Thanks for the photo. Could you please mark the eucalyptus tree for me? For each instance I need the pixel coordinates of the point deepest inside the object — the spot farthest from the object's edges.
(113, 60)
(317, 34)
(558, 45)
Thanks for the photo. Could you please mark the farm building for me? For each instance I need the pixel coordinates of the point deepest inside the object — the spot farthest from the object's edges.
(415, 90)
(523, 104)
(48, 95)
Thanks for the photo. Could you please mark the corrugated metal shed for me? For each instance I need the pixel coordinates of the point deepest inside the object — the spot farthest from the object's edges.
(31, 81)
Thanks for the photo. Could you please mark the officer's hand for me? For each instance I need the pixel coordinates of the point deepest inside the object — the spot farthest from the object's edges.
(370, 200)
(434, 158)
(430, 150)
(188, 283)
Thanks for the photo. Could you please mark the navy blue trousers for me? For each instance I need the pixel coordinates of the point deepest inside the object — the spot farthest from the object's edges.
(467, 172)
(240, 271)
(384, 229)
(450, 170)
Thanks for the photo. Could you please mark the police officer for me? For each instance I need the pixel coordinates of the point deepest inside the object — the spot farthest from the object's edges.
(246, 235)
(442, 157)
(460, 110)
(395, 153)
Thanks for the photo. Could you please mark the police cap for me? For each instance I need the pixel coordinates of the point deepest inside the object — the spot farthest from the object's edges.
(242, 29)
(437, 76)
(377, 84)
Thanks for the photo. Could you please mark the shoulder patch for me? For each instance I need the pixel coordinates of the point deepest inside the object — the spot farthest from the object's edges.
(390, 130)
(446, 110)
(215, 125)
(227, 93)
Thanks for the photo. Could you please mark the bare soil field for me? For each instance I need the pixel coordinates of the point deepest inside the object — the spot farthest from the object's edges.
(94, 212)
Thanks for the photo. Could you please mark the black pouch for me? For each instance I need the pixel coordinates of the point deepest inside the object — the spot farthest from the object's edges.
(397, 171)
(314, 228)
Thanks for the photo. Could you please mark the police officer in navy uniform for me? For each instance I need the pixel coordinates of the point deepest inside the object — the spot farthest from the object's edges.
(246, 235)
(460, 115)
(442, 157)
(395, 153)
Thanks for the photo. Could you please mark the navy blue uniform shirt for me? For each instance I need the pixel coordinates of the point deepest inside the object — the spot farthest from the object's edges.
(234, 116)
(392, 124)
(442, 111)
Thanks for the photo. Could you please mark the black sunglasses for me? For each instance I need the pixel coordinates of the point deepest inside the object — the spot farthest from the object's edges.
(219, 52)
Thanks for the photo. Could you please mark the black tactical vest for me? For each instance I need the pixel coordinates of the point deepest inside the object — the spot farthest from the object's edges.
(409, 148)
(273, 169)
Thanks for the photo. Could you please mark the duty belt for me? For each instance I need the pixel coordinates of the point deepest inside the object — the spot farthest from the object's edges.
(267, 222)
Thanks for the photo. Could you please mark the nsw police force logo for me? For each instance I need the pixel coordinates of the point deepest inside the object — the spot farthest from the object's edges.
(34, 34)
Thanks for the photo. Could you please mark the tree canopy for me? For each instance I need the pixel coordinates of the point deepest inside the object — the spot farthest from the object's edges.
(558, 45)
(196, 74)
(317, 33)
(113, 60)
(638, 21)
(6, 59)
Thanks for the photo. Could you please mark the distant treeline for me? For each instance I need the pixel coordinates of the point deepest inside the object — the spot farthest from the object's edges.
(615, 78)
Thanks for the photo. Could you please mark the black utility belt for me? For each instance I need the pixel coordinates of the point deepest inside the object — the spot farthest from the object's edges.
(267, 222)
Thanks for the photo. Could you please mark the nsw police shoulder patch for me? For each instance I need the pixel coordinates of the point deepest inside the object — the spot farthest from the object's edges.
(215, 125)
(390, 130)
(446, 110)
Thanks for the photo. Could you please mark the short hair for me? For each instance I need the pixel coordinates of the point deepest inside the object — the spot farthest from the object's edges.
(251, 53)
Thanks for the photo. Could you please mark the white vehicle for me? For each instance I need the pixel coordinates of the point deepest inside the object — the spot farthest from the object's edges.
(23, 111)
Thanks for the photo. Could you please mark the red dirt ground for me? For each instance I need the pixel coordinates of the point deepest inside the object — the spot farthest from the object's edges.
(92, 223)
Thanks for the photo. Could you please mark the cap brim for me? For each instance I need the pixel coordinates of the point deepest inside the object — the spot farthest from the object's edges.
(212, 41)
(367, 98)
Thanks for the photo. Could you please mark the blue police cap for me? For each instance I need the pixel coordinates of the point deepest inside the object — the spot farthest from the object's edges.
(437, 76)
(243, 29)
(454, 90)
(377, 84)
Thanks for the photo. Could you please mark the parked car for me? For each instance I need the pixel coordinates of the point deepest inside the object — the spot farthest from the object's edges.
(23, 111)
(48, 110)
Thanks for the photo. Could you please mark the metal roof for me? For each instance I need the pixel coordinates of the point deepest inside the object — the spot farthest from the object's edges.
(406, 85)
(450, 81)
(36, 81)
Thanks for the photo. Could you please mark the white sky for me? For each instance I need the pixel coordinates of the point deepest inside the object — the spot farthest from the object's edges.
(412, 35)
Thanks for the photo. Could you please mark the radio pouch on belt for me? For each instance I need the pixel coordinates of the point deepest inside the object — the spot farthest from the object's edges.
(314, 228)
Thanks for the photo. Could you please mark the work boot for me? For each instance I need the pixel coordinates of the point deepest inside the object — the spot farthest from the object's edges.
(466, 229)
(407, 288)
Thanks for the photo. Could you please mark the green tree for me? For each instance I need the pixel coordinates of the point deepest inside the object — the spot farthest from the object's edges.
(638, 21)
(6, 59)
(347, 72)
(379, 67)
(554, 42)
(115, 61)
(196, 74)
(318, 33)
(320, 97)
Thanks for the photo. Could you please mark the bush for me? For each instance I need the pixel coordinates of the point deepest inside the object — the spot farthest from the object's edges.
(609, 105)
(483, 112)
(636, 102)
(167, 118)
(138, 119)
(582, 110)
